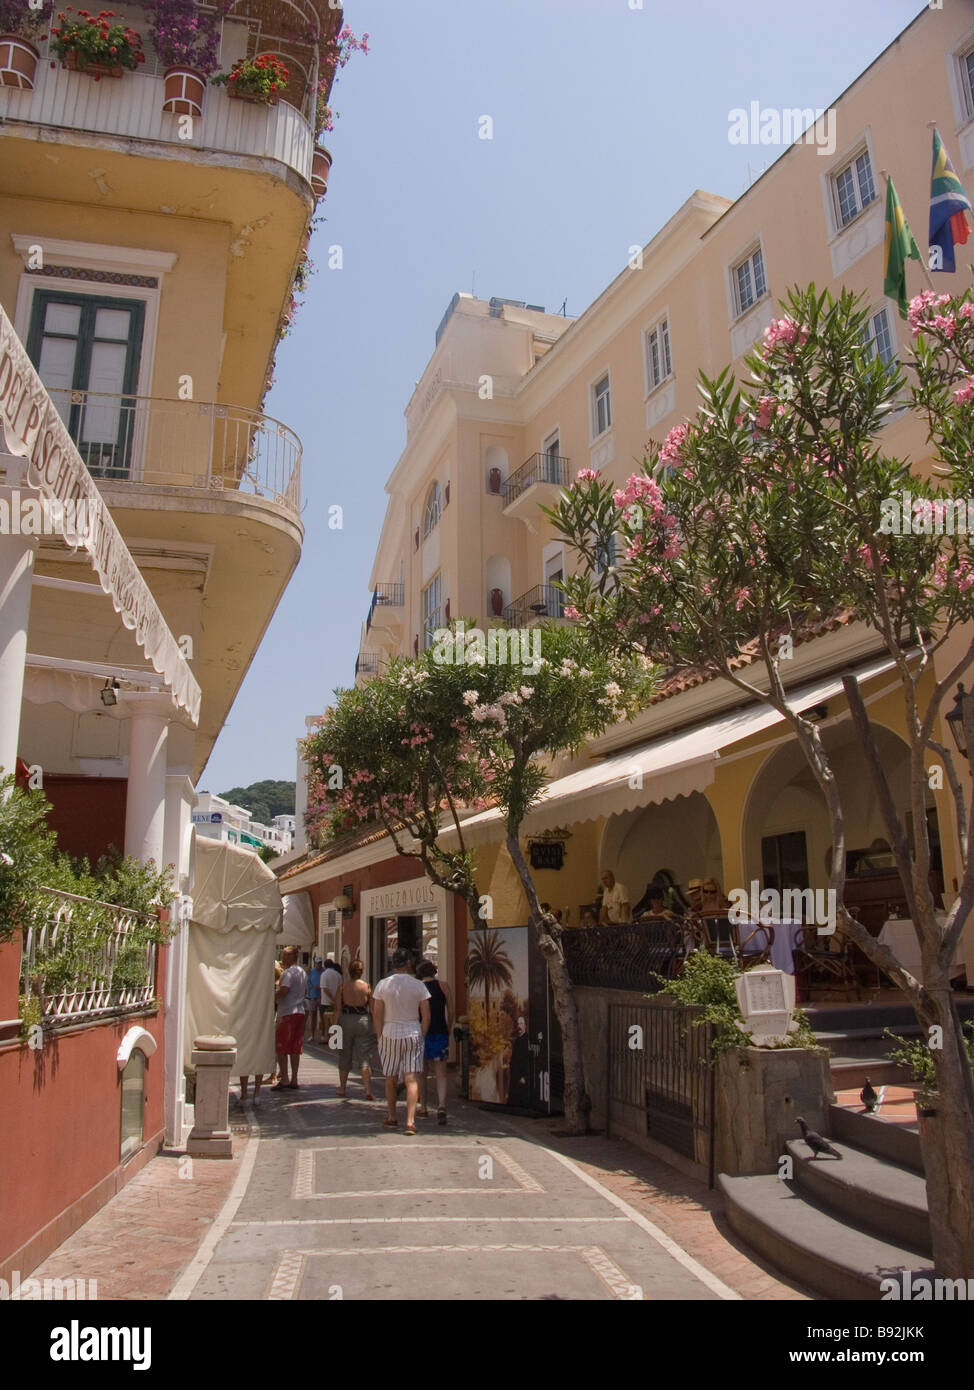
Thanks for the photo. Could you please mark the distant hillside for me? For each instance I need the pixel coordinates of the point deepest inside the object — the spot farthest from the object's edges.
(264, 800)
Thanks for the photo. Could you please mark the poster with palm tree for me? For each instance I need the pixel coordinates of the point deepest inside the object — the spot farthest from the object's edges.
(498, 995)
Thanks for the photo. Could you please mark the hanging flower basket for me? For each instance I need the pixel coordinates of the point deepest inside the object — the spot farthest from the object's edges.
(259, 80)
(183, 92)
(320, 169)
(18, 62)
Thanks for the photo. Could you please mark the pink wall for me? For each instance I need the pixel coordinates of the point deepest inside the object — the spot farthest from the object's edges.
(60, 1126)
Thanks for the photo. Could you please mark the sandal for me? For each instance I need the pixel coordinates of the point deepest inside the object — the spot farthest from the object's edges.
(280, 1087)
(391, 1124)
(441, 1115)
(370, 1097)
(423, 1114)
(410, 1129)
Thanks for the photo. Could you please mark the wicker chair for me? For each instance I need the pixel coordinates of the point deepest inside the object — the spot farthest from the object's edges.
(818, 967)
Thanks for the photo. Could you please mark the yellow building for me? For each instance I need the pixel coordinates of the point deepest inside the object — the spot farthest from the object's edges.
(149, 249)
(515, 401)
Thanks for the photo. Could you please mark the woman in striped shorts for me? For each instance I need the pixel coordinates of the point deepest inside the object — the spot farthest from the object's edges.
(401, 1012)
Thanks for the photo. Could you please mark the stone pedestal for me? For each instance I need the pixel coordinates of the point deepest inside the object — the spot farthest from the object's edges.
(760, 1092)
(213, 1059)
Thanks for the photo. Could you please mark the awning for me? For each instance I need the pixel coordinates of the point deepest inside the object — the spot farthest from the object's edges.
(298, 928)
(33, 430)
(660, 770)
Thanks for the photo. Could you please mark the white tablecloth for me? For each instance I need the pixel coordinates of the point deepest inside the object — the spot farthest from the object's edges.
(786, 937)
(899, 935)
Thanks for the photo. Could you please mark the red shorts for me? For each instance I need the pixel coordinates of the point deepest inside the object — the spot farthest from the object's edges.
(289, 1035)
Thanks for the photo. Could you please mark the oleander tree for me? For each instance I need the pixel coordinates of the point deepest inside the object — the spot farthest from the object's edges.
(779, 505)
(433, 739)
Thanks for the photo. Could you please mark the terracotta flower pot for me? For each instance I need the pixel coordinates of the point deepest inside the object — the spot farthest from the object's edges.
(183, 92)
(18, 62)
(494, 480)
(320, 168)
(95, 70)
(497, 602)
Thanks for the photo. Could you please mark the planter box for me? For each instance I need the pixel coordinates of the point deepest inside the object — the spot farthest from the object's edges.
(271, 100)
(95, 70)
(18, 62)
(184, 92)
(320, 169)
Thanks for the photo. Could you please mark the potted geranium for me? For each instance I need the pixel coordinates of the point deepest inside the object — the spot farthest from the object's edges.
(21, 29)
(260, 79)
(187, 40)
(91, 43)
(333, 57)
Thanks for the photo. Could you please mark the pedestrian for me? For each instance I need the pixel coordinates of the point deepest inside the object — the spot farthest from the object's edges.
(401, 1009)
(244, 1082)
(437, 1046)
(353, 1015)
(314, 999)
(331, 983)
(289, 1034)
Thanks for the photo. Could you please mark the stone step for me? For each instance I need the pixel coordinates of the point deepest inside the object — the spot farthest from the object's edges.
(872, 1192)
(864, 1042)
(850, 1073)
(899, 1143)
(812, 1245)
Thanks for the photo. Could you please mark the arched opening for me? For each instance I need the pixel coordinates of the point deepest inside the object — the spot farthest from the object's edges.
(431, 509)
(787, 838)
(498, 577)
(133, 1105)
(680, 836)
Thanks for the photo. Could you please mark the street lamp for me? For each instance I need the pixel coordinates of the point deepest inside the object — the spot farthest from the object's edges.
(955, 719)
(109, 694)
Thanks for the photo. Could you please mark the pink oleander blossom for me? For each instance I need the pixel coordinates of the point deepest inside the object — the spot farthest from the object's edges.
(587, 475)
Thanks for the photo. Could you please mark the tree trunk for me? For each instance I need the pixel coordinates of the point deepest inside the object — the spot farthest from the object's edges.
(947, 1138)
(576, 1100)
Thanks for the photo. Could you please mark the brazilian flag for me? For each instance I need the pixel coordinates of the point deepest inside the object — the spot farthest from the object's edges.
(900, 247)
(948, 204)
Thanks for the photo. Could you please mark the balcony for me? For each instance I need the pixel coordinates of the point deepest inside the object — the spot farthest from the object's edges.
(538, 605)
(366, 664)
(131, 107)
(385, 611)
(538, 481)
(210, 448)
(85, 959)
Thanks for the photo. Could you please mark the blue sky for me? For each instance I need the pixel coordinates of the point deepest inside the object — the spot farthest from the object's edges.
(605, 118)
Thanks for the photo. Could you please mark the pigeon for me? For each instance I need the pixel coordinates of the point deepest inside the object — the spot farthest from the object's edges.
(869, 1097)
(815, 1142)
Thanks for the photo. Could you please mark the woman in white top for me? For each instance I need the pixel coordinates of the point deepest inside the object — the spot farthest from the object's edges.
(401, 1012)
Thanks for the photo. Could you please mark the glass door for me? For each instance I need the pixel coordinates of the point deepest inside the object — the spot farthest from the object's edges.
(87, 351)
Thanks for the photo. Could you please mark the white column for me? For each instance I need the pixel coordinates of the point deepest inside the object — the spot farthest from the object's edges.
(301, 797)
(180, 796)
(16, 573)
(145, 810)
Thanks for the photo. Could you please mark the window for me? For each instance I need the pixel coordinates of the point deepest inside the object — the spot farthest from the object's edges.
(86, 350)
(749, 281)
(853, 189)
(659, 363)
(602, 412)
(551, 460)
(605, 554)
(431, 611)
(967, 67)
(784, 861)
(554, 573)
(431, 512)
(133, 1105)
(878, 338)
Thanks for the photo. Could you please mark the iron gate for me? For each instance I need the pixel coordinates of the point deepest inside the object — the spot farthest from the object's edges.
(660, 1077)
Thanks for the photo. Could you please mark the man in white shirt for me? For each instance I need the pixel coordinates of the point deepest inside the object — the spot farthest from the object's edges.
(615, 901)
(331, 983)
(401, 1012)
(289, 1032)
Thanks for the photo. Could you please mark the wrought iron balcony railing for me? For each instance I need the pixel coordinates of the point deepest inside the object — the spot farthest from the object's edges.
(543, 601)
(385, 596)
(194, 444)
(367, 664)
(77, 972)
(540, 468)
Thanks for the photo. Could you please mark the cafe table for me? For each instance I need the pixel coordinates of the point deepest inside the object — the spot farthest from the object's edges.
(899, 934)
(787, 935)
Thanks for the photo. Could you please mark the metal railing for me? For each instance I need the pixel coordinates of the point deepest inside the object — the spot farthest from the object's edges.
(543, 601)
(540, 468)
(624, 957)
(91, 990)
(211, 447)
(664, 1087)
(385, 596)
(367, 663)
